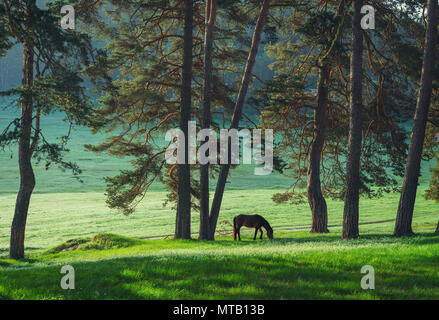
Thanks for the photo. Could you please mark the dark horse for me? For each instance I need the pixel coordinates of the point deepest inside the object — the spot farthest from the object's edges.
(251, 221)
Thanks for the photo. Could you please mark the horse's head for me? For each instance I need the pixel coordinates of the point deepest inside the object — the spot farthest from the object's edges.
(269, 232)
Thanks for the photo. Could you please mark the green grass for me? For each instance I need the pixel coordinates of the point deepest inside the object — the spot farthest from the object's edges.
(69, 223)
(293, 266)
(55, 218)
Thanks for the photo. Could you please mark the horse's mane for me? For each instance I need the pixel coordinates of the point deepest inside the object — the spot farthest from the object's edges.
(266, 224)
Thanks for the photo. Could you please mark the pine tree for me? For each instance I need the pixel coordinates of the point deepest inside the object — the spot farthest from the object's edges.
(431, 150)
(403, 225)
(289, 102)
(144, 59)
(183, 222)
(49, 82)
(351, 207)
(315, 197)
(210, 18)
(237, 113)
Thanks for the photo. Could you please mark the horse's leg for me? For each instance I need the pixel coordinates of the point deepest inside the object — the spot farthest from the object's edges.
(256, 232)
(261, 233)
(239, 233)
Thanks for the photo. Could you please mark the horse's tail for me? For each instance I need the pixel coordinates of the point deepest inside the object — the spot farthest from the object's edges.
(234, 228)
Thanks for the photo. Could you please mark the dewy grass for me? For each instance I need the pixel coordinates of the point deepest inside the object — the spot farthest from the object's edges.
(83, 215)
(69, 223)
(293, 266)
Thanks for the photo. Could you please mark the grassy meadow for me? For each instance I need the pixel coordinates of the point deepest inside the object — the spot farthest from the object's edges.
(115, 259)
(294, 266)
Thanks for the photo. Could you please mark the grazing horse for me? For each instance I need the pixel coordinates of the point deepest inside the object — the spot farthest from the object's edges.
(251, 221)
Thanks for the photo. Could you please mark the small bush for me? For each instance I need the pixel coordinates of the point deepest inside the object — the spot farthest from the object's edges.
(98, 242)
(69, 245)
(109, 241)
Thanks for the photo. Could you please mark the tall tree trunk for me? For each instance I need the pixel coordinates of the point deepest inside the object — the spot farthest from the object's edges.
(315, 197)
(27, 178)
(403, 225)
(224, 171)
(437, 229)
(350, 215)
(183, 221)
(210, 17)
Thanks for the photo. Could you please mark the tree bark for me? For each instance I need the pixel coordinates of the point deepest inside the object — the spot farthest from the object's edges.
(315, 197)
(183, 219)
(210, 17)
(403, 225)
(224, 171)
(350, 215)
(27, 178)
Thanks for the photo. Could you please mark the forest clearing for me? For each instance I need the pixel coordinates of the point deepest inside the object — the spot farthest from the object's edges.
(219, 150)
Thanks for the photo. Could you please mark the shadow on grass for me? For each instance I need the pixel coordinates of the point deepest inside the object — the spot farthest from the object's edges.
(198, 276)
(247, 239)
(421, 238)
(418, 238)
(4, 252)
(180, 278)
